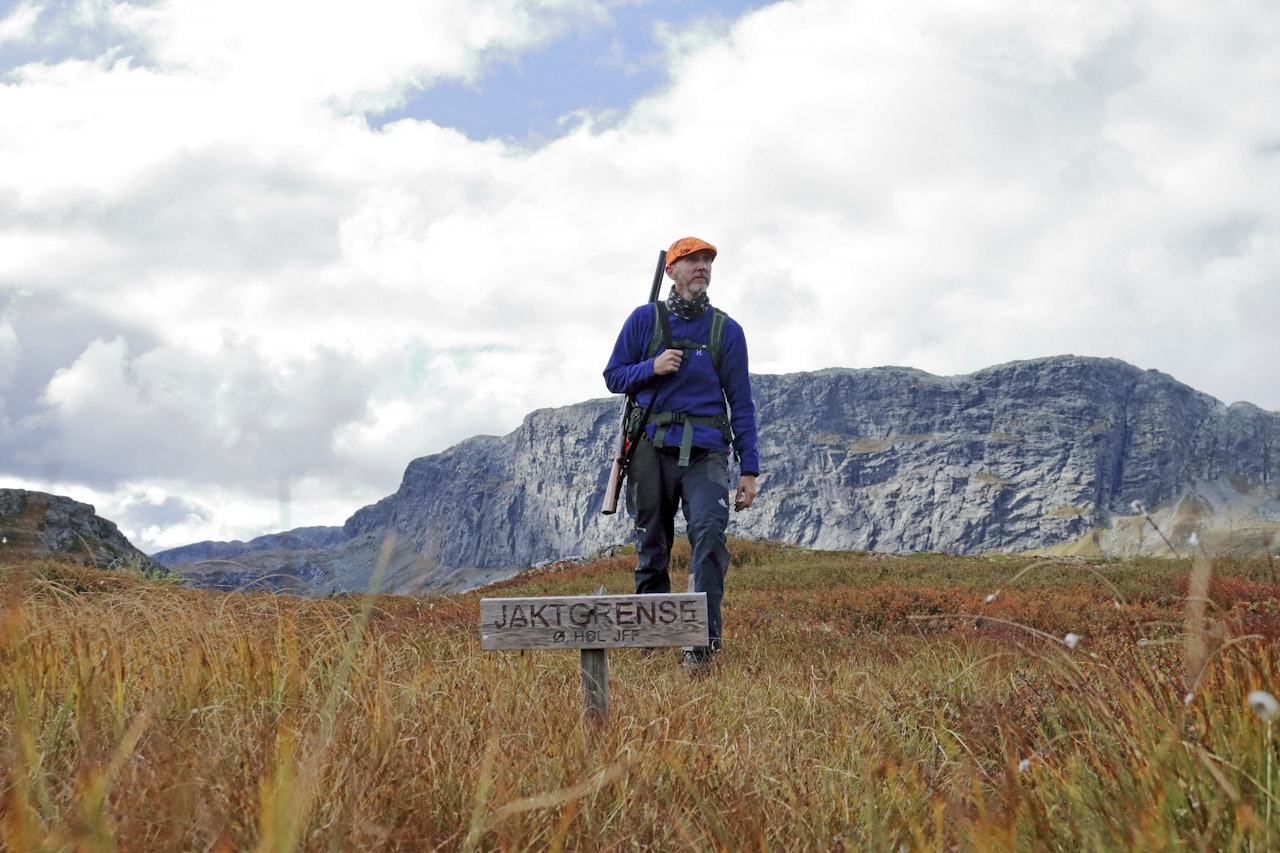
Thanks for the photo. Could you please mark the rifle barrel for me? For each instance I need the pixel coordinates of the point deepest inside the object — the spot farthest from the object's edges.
(657, 276)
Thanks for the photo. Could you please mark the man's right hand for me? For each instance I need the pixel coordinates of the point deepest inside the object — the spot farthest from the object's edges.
(667, 361)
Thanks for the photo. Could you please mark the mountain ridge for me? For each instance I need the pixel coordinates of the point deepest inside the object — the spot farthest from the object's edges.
(41, 526)
(1044, 455)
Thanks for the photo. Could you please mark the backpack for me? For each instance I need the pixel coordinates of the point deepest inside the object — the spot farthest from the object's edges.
(661, 338)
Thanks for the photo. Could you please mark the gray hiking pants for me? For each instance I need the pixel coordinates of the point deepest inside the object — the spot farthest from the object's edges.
(658, 487)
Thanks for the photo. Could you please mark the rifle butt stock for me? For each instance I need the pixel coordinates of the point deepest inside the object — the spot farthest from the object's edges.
(614, 487)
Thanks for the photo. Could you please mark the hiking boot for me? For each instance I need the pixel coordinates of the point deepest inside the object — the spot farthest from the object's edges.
(697, 662)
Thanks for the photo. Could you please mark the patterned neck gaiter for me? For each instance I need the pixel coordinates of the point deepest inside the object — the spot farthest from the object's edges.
(687, 309)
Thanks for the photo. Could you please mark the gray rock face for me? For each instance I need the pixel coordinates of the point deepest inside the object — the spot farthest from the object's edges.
(1024, 456)
(298, 539)
(39, 526)
(1036, 455)
(508, 502)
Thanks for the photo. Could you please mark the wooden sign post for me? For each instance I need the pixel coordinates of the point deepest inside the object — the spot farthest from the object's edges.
(594, 623)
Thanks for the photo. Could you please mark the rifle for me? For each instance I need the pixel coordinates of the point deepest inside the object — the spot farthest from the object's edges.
(626, 442)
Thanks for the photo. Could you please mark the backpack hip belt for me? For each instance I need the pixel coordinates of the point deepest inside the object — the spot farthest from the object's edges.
(663, 422)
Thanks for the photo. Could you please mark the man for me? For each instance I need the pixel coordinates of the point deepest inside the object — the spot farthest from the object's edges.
(683, 375)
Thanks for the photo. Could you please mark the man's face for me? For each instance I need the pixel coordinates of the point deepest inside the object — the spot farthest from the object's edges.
(692, 274)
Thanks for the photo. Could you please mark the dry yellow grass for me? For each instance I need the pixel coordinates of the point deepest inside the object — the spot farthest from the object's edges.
(863, 703)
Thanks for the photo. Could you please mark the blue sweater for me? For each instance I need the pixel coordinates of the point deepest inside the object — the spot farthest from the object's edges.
(694, 389)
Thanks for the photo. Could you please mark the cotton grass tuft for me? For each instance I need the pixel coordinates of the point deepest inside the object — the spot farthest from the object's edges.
(1264, 705)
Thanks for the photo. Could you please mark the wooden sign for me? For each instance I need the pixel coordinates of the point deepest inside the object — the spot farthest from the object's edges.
(594, 621)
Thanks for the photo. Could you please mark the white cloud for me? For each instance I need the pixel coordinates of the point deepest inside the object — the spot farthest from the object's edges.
(353, 58)
(18, 24)
(271, 291)
(8, 356)
(235, 418)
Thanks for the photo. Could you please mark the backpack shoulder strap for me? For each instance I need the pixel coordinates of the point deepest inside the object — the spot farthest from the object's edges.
(717, 336)
(661, 338)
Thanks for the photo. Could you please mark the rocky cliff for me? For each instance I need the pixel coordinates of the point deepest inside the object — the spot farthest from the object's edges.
(40, 526)
(298, 539)
(1045, 455)
(1036, 455)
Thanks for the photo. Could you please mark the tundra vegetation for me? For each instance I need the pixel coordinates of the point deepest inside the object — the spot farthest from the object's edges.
(864, 702)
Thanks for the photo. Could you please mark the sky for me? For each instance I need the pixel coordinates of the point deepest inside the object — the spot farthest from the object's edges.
(257, 255)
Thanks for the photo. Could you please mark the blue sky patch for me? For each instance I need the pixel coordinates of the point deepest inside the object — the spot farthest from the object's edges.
(62, 31)
(599, 67)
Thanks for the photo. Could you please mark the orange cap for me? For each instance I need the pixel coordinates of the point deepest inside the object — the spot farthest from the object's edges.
(687, 246)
